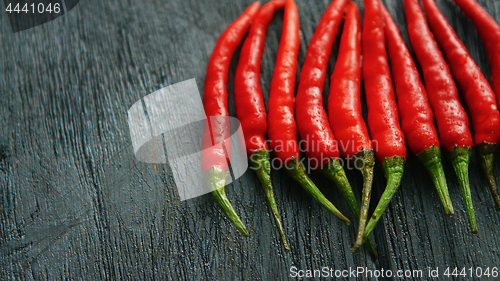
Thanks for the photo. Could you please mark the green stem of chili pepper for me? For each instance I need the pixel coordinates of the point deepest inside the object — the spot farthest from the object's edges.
(367, 157)
(216, 179)
(431, 159)
(334, 171)
(486, 153)
(460, 158)
(297, 171)
(261, 164)
(393, 170)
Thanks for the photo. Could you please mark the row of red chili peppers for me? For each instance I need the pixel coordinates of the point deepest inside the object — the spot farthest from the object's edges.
(414, 114)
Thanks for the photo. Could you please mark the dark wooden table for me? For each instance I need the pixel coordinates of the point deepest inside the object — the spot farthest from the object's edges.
(75, 205)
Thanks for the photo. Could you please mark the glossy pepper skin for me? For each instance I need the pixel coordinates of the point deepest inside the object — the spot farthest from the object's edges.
(282, 130)
(344, 102)
(478, 95)
(417, 120)
(383, 117)
(379, 89)
(215, 140)
(312, 121)
(451, 118)
(489, 31)
(250, 109)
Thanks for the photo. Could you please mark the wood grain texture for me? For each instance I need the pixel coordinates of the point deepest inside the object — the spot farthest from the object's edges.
(74, 204)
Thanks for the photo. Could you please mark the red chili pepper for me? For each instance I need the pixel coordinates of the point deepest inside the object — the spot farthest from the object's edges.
(489, 31)
(312, 121)
(383, 118)
(417, 120)
(344, 101)
(451, 119)
(282, 131)
(250, 108)
(345, 111)
(479, 96)
(214, 158)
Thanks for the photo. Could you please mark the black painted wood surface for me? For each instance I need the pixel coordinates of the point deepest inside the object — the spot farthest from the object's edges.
(75, 205)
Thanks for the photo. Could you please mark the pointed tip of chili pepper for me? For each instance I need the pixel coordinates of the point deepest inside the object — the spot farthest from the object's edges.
(297, 171)
(486, 153)
(367, 158)
(260, 163)
(393, 168)
(431, 159)
(216, 179)
(460, 158)
(255, 5)
(334, 171)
